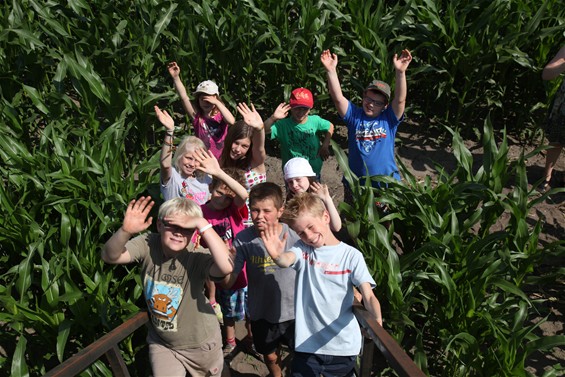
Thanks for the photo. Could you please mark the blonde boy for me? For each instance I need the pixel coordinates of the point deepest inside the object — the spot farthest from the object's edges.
(327, 336)
(184, 335)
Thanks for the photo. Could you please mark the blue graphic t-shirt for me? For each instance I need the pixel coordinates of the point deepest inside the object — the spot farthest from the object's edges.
(371, 142)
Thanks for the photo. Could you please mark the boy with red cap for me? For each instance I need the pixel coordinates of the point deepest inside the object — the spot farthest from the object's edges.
(298, 134)
(371, 128)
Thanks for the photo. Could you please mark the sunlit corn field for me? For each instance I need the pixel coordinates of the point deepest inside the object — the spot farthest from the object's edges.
(78, 140)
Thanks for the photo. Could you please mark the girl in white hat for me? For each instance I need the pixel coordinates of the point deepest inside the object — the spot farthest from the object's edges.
(300, 177)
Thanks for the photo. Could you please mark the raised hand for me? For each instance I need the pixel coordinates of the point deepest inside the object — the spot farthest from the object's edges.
(329, 60)
(281, 111)
(135, 219)
(320, 190)
(401, 63)
(165, 119)
(207, 162)
(250, 116)
(174, 70)
(273, 244)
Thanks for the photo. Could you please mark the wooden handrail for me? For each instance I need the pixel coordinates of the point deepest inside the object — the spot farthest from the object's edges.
(399, 360)
(108, 345)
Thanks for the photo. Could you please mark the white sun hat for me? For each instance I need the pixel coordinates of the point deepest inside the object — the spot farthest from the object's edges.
(298, 167)
(207, 87)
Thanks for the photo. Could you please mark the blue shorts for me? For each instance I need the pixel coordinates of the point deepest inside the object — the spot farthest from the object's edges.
(314, 365)
(233, 303)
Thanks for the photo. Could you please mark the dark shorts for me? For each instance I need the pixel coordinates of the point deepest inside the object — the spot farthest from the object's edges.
(267, 337)
(313, 365)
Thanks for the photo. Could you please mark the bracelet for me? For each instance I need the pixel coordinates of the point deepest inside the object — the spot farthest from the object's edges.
(170, 132)
(204, 228)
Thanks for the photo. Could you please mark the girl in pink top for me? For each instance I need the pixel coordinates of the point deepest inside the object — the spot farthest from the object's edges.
(210, 117)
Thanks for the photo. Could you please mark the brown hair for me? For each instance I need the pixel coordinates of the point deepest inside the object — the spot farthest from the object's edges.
(301, 203)
(239, 130)
(234, 173)
(266, 190)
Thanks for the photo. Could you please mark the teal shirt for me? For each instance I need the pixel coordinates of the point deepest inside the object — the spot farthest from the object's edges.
(300, 140)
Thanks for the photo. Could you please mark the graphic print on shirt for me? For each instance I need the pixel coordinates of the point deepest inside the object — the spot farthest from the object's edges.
(301, 144)
(224, 230)
(196, 196)
(368, 134)
(263, 263)
(163, 300)
(327, 268)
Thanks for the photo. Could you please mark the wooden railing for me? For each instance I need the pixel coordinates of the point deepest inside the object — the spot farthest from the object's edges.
(402, 364)
(107, 345)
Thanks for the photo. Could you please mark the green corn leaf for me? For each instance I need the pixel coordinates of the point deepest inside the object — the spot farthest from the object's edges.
(19, 366)
(36, 98)
(62, 336)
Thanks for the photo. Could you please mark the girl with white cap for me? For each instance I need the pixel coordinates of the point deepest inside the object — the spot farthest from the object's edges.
(300, 177)
(210, 117)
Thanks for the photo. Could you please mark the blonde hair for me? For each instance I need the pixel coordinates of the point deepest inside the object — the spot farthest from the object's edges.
(187, 144)
(182, 206)
(301, 203)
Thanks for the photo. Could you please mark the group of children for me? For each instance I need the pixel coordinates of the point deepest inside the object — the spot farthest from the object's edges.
(227, 236)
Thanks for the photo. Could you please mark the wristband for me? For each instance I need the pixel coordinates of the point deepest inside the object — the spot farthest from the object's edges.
(204, 228)
(170, 132)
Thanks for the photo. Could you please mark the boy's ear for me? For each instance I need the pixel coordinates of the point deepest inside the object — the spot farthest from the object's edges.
(159, 225)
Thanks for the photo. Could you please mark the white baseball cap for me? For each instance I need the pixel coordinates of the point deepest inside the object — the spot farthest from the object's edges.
(207, 87)
(298, 167)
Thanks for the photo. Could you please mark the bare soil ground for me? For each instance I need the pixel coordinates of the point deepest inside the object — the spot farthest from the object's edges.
(420, 151)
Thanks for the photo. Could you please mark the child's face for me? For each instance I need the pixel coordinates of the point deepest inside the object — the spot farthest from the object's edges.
(265, 213)
(373, 103)
(205, 104)
(187, 164)
(298, 184)
(239, 148)
(222, 197)
(299, 114)
(173, 238)
(313, 230)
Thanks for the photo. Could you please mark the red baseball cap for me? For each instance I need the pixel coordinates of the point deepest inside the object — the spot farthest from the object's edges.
(301, 97)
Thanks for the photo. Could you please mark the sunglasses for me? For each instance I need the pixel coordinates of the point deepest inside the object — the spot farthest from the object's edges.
(374, 102)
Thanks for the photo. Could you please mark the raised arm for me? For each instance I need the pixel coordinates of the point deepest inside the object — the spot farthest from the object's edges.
(167, 148)
(226, 114)
(135, 221)
(323, 192)
(174, 71)
(400, 65)
(210, 165)
(222, 263)
(252, 118)
(275, 246)
(281, 112)
(329, 61)
(555, 67)
(371, 302)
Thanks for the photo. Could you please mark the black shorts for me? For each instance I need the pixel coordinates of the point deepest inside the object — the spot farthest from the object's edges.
(267, 336)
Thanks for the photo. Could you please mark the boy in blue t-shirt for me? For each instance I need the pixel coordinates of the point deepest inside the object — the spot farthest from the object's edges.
(298, 134)
(327, 335)
(371, 129)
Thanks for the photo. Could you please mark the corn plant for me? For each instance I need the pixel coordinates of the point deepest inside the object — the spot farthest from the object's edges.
(455, 293)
